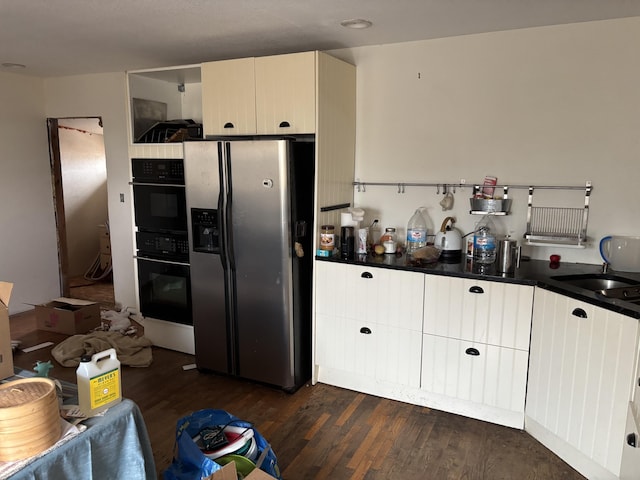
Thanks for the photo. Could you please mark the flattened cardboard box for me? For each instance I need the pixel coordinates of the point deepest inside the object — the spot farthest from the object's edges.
(6, 355)
(228, 472)
(68, 315)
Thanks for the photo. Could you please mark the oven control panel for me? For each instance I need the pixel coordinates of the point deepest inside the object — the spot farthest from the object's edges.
(158, 170)
(174, 246)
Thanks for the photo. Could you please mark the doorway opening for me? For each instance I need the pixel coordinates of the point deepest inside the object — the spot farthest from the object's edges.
(79, 177)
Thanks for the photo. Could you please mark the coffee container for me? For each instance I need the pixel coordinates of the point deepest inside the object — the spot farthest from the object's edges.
(347, 243)
(507, 256)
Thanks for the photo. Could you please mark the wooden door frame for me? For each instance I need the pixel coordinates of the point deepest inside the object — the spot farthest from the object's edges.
(58, 205)
(58, 202)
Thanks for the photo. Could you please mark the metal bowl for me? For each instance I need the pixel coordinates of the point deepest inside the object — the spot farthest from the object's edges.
(490, 205)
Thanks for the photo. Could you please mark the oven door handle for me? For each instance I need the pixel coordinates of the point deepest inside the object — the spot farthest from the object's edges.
(170, 262)
(156, 184)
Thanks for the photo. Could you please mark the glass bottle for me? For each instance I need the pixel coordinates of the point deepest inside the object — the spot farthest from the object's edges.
(388, 240)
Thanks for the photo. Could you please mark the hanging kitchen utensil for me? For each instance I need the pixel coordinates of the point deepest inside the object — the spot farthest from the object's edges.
(447, 201)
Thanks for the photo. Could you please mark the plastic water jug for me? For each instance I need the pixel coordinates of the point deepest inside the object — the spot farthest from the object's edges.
(99, 385)
(622, 253)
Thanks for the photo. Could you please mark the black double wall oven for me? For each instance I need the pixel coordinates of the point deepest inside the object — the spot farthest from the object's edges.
(162, 245)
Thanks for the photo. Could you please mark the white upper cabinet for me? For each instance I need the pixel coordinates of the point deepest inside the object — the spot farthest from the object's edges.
(264, 95)
(286, 94)
(229, 97)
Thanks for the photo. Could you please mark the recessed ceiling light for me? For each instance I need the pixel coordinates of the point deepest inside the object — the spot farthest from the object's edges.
(357, 23)
(11, 65)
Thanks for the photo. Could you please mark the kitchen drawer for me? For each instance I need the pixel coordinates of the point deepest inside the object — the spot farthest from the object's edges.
(494, 313)
(475, 372)
(378, 295)
(385, 353)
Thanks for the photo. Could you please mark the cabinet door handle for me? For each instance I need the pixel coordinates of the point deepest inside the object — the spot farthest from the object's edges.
(365, 330)
(476, 289)
(228, 125)
(632, 440)
(366, 275)
(472, 351)
(284, 124)
(578, 312)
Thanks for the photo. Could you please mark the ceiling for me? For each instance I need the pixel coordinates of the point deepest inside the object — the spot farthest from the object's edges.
(69, 37)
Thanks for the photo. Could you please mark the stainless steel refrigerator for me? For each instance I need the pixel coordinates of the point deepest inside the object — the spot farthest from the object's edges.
(250, 208)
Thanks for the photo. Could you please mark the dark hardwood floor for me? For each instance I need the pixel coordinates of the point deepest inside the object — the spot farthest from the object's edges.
(319, 432)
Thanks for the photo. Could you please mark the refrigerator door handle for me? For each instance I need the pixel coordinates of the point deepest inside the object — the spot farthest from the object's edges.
(226, 199)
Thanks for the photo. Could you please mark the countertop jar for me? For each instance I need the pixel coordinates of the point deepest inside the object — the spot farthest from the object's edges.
(327, 237)
(388, 240)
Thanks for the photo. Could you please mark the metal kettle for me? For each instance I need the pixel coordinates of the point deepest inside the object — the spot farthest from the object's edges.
(448, 239)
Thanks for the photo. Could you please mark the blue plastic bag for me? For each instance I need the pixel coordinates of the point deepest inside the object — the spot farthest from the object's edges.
(191, 464)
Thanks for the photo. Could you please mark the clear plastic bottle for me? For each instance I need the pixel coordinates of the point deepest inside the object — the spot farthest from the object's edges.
(484, 242)
(416, 232)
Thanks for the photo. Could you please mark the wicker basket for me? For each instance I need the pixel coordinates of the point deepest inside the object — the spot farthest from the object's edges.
(29, 418)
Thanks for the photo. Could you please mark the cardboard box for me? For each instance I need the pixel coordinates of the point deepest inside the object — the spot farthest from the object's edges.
(6, 355)
(228, 472)
(68, 315)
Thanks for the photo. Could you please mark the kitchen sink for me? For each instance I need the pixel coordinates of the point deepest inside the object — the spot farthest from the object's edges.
(596, 282)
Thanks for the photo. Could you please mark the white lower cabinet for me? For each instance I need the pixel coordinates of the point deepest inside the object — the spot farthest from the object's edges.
(449, 343)
(581, 371)
(369, 350)
(368, 328)
(476, 347)
(486, 375)
(630, 468)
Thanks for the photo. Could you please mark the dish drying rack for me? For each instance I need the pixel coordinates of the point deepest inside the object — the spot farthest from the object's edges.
(558, 226)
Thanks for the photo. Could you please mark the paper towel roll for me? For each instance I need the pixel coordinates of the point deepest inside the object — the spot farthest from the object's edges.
(346, 220)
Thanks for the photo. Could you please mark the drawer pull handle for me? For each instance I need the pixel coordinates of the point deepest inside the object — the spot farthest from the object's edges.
(632, 440)
(365, 330)
(366, 275)
(284, 124)
(476, 289)
(228, 125)
(472, 351)
(578, 312)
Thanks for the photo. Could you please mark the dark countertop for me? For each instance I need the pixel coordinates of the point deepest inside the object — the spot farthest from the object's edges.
(531, 272)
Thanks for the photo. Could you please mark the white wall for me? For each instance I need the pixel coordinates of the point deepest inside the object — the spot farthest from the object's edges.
(543, 106)
(28, 252)
(104, 95)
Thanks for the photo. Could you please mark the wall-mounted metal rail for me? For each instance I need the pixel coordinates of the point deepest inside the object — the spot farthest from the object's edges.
(445, 186)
